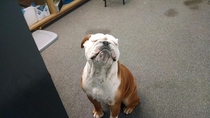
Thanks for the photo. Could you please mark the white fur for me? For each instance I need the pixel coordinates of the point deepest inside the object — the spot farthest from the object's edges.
(91, 46)
(101, 82)
(99, 85)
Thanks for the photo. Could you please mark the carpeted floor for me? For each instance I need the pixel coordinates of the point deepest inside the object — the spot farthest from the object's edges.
(165, 44)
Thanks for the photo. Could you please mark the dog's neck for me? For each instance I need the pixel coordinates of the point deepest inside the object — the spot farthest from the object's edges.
(97, 71)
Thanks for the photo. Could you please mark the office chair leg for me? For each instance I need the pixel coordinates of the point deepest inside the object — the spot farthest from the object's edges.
(105, 3)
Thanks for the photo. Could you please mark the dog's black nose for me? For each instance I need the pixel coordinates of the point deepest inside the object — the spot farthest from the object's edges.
(106, 43)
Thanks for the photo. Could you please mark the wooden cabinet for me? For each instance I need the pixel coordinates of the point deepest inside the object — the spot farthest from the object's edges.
(54, 14)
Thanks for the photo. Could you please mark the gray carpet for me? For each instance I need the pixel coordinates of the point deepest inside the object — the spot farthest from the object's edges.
(165, 44)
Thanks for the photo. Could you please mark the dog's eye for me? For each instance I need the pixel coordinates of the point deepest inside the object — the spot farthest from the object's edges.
(93, 40)
(115, 43)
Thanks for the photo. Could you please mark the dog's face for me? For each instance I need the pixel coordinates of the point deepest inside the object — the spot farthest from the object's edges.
(101, 49)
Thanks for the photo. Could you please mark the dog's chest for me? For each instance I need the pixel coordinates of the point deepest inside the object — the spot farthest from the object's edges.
(101, 88)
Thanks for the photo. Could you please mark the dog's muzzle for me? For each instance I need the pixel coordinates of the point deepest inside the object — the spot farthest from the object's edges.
(104, 53)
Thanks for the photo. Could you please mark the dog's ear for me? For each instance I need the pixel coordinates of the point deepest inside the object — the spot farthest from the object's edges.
(84, 40)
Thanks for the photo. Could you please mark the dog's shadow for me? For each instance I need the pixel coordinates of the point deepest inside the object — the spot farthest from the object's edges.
(134, 114)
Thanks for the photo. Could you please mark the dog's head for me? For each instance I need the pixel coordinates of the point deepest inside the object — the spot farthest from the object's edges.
(101, 49)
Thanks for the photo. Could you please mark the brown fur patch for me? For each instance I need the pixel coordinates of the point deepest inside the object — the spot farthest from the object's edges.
(127, 91)
(84, 40)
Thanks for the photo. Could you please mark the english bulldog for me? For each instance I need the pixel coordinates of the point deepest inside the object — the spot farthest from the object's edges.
(104, 78)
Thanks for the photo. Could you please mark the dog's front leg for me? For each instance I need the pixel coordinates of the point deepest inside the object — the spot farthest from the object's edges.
(97, 112)
(115, 110)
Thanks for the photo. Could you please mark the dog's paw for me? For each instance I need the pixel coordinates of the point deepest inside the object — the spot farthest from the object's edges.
(128, 110)
(98, 114)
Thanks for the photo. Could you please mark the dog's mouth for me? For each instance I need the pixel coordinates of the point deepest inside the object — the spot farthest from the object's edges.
(104, 54)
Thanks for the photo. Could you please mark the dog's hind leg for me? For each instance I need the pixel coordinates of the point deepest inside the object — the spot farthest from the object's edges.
(130, 102)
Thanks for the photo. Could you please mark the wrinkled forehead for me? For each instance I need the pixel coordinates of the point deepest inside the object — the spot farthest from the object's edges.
(102, 37)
